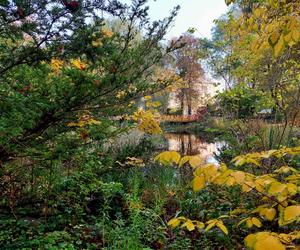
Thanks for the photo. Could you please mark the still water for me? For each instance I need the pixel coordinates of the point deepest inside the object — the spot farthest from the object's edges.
(191, 144)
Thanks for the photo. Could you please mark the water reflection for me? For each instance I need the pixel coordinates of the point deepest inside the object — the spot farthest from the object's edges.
(190, 144)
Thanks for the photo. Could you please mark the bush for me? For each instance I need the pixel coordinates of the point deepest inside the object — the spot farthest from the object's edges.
(259, 199)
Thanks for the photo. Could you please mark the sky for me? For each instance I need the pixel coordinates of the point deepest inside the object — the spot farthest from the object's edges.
(197, 14)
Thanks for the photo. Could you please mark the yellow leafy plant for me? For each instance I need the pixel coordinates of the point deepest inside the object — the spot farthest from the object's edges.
(168, 157)
(278, 191)
(190, 225)
(84, 120)
(250, 222)
(216, 223)
(147, 121)
(172, 156)
(77, 63)
(56, 65)
(273, 24)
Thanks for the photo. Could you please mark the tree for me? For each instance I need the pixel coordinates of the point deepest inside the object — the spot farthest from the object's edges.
(188, 67)
(242, 102)
(45, 24)
(216, 53)
(60, 83)
(260, 50)
(265, 40)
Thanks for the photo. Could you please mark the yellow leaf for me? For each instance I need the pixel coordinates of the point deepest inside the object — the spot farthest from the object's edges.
(248, 158)
(230, 181)
(196, 161)
(93, 122)
(147, 97)
(250, 21)
(273, 38)
(286, 238)
(72, 124)
(276, 187)
(56, 64)
(268, 242)
(268, 213)
(258, 209)
(198, 183)
(222, 178)
(222, 227)
(210, 171)
(242, 221)
(175, 156)
(184, 160)
(260, 185)
(279, 46)
(295, 234)
(200, 224)
(211, 225)
(106, 32)
(223, 216)
(213, 221)
(238, 211)
(269, 28)
(223, 167)
(291, 213)
(239, 160)
(255, 44)
(263, 241)
(293, 178)
(257, 12)
(292, 189)
(249, 223)
(253, 161)
(168, 157)
(174, 222)
(268, 154)
(285, 169)
(296, 35)
(97, 43)
(163, 157)
(247, 186)
(256, 222)
(189, 225)
(239, 176)
(250, 241)
(288, 37)
(78, 64)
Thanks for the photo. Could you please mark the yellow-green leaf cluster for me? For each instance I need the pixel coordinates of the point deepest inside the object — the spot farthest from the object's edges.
(168, 157)
(147, 122)
(263, 240)
(190, 225)
(277, 191)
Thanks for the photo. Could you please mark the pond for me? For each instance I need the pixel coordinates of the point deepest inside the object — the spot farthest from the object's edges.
(181, 142)
(193, 144)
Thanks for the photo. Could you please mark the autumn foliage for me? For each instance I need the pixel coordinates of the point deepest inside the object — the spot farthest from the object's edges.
(274, 189)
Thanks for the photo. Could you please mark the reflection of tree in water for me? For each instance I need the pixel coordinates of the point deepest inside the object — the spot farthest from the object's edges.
(190, 144)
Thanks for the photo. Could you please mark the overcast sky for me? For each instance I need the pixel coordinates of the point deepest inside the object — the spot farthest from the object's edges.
(198, 14)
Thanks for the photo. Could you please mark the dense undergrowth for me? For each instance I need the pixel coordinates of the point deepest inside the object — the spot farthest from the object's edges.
(128, 206)
(124, 209)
